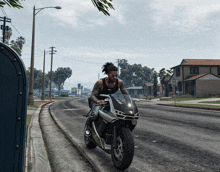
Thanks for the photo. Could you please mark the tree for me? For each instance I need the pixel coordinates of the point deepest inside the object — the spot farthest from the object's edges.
(134, 74)
(11, 3)
(38, 79)
(48, 76)
(18, 44)
(103, 5)
(8, 34)
(165, 76)
(60, 75)
(155, 84)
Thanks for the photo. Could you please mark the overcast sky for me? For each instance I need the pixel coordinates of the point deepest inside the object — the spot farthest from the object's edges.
(154, 33)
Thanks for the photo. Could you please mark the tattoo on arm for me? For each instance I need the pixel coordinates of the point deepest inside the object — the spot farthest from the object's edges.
(95, 92)
(93, 98)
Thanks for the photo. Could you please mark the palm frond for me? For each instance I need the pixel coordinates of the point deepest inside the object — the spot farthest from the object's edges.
(103, 5)
(11, 3)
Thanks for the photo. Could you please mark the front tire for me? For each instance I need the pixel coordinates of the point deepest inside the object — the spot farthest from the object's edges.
(88, 140)
(123, 155)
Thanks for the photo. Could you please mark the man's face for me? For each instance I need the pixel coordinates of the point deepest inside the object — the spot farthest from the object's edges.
(113, 75)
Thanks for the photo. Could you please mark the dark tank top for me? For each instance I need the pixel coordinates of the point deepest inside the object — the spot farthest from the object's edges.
(107, 90)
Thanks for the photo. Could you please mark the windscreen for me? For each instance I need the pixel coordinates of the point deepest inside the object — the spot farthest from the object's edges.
(124, 103)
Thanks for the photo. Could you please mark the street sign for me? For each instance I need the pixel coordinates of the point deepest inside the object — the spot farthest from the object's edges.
(79, 86)
(174, 82)
(13, 110)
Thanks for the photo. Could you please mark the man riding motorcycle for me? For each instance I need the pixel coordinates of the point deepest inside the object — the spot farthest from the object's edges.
(108, 85)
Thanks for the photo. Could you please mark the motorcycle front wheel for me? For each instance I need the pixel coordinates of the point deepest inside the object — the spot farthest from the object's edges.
(88, 140)
(122, 155)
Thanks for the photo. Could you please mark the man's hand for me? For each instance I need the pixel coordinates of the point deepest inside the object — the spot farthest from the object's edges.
(101, 102)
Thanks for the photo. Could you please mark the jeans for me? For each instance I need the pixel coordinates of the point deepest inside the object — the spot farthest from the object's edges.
(94, 110)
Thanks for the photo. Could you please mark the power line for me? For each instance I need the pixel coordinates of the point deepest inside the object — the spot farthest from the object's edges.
(4, 13)
(15, 28)
(4, 27)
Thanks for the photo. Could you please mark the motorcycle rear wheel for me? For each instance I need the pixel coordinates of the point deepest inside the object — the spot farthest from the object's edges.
(88, 141)
(122, 156)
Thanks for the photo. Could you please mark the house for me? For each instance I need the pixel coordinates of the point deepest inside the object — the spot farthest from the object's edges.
(73, 91)
(148, 89)
(55, 92)
(135, 91)
(197, 77)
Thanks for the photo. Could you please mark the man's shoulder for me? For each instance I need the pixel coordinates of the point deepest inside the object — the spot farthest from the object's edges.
(100, 82)
(120, 81)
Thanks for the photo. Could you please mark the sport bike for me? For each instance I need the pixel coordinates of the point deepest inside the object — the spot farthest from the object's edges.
(111, 131)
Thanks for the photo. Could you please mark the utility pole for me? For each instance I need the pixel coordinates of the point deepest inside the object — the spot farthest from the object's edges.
(42, 97)
(4, 27)
(118, 65)
(52, 52)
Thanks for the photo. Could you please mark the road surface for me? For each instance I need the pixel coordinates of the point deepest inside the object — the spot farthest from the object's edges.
(167, 139)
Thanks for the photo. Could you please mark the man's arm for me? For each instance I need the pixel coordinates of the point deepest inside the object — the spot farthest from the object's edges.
(122, 88)
(95, 92)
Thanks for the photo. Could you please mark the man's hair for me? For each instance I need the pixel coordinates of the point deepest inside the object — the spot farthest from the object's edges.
(108, 67)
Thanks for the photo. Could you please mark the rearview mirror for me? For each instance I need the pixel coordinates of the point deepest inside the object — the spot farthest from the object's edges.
(136, 100)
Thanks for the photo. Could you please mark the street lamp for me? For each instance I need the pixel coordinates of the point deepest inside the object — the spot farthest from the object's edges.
(30, 96)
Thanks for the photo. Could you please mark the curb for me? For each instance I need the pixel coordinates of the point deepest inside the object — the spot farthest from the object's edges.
(36, 155)
(187, 106)
(64, 130)
(46, 103)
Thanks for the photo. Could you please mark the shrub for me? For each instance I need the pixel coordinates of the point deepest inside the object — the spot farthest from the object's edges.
(64, 95)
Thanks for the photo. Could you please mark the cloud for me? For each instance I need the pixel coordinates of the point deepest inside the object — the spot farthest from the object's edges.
(97, 53)
(186, 15)
(82, 13)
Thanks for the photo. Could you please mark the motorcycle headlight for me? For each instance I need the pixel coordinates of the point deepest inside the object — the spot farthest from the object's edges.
(129, 104)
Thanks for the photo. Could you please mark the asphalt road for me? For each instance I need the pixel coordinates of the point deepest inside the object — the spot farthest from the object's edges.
(166, 138)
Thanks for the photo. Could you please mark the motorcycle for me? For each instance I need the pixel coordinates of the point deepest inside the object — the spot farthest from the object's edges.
(111, 131)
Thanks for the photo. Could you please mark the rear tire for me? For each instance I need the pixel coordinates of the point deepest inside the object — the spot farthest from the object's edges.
(123, 155)
(88, 140)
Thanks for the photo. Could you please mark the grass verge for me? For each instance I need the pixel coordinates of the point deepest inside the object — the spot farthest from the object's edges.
(198, 105)
(214, 102)
(190, 98)
(37, 103)
(28, 120)
(184, 99)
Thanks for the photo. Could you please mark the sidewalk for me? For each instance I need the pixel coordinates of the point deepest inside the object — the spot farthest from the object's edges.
(36, 158)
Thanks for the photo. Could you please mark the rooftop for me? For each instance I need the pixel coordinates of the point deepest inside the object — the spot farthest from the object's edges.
(199, 62)
(195, 77)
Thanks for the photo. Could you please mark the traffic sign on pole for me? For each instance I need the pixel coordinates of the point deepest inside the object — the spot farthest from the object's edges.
(174, 82)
